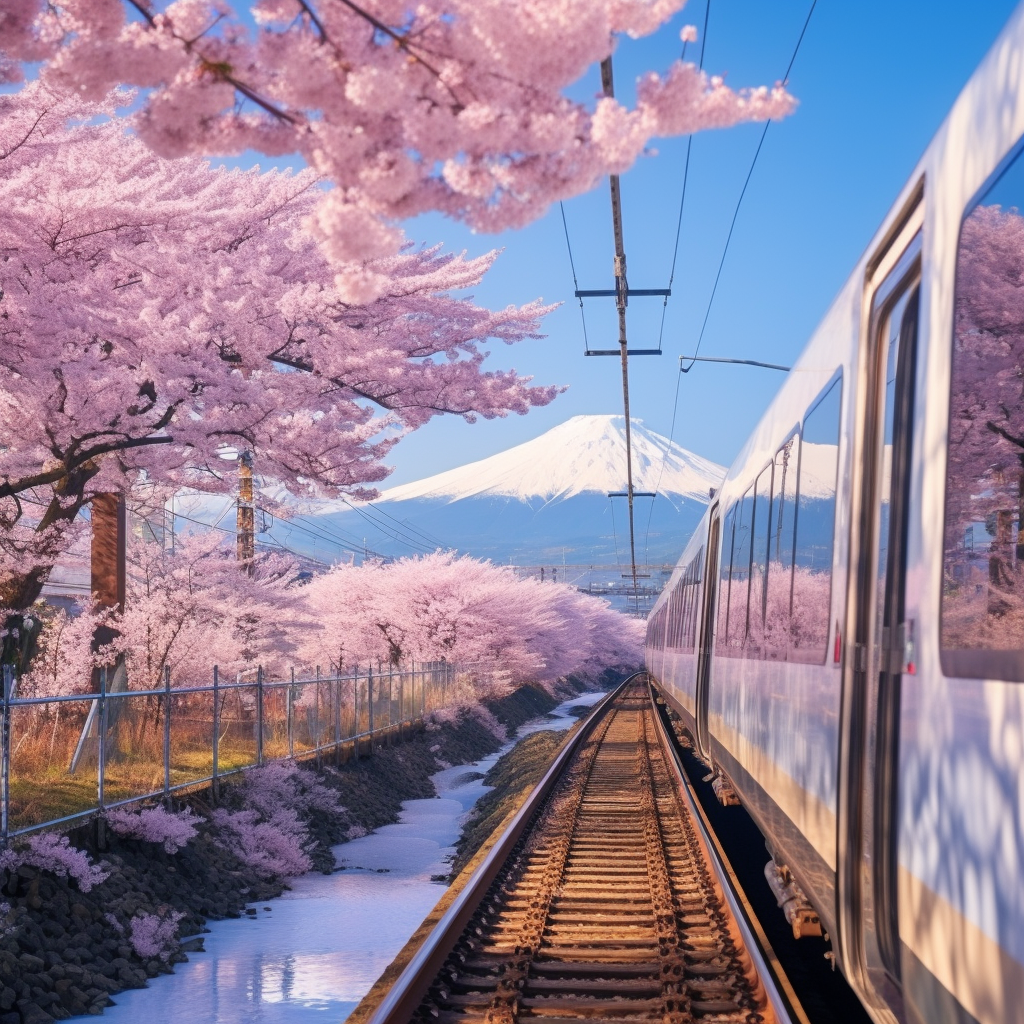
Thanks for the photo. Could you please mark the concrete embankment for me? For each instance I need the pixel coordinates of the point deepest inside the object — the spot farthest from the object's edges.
(65, 952)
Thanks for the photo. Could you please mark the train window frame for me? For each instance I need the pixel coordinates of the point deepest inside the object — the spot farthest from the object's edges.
(1004, 664)
(798, 655)
(752, 647)
(736, 641)
(725, 576)
(795, 434)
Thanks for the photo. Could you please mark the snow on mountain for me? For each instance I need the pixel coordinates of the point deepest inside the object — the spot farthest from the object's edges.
(584, 454)
(542, 500)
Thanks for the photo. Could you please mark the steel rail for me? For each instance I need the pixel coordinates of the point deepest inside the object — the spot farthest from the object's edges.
(771, 988)
(405, 996)
(778, 988)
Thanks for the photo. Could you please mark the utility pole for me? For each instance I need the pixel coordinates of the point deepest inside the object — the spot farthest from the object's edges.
(621, 294)
(245, 527)
(621, 300)
(108, 553)
(107, 568)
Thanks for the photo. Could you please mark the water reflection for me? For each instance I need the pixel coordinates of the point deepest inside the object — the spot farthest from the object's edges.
(321, 947)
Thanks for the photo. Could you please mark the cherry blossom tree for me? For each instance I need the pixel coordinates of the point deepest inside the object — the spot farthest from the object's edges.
(157, 317)
(450, 105)
(466, 611)
(62, 661)
(192, 608)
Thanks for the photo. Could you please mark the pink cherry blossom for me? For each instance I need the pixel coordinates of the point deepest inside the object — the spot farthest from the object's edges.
(174, 830)
(153, 935)
(450, 105)
(156, 317)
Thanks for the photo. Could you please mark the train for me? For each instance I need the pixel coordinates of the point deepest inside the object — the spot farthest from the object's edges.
(843, 635)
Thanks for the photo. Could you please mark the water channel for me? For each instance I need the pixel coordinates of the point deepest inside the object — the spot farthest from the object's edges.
(313, 953)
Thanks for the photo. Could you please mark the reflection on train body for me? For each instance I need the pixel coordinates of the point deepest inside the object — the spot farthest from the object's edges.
(844, 633)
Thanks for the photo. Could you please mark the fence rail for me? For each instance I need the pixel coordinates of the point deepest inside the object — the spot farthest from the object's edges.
(67, 758)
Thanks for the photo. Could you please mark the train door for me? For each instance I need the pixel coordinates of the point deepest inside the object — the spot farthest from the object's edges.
(870, 754)
(707, 631)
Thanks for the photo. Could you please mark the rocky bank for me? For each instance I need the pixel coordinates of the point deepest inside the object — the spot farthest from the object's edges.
(64, 952)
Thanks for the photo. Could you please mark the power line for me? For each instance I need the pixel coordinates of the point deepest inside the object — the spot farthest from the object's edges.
(575, 283)
(675, 400)
(407, 541)
(408, 526)
(686, 174)
(743, 191)
(664, 459)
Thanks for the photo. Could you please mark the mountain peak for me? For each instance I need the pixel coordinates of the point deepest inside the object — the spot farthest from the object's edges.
(583, 454)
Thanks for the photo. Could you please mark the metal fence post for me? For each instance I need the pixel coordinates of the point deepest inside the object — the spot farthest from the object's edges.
(101, 756)
(337, 716)
(369, 700)
(391, 700)
(259, 714)
(316, 718)
(288, 716)
(401, 704)
(167, 733)
(356, 720)
(216, 728)
(5, 825)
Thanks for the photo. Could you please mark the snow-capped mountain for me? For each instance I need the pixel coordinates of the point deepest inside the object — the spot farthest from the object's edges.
(586, 453)
(547, 500)
(539, 502)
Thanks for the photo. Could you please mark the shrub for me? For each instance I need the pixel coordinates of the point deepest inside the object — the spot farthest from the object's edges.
(273, 848)
(155, 825)
(153, 934)
(54, 853)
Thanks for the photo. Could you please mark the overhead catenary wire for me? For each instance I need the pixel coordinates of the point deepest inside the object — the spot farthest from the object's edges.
(725, 250)
(429, 538)
(575, 283)
(686, 174)
(409, 542)
(746, 182)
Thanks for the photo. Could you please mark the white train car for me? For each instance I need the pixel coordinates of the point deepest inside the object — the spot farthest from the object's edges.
(844, 634)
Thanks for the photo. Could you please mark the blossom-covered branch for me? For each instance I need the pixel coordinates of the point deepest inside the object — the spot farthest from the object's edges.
(450, 105)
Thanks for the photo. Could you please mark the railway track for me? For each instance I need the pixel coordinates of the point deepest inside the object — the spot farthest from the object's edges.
(602, 905)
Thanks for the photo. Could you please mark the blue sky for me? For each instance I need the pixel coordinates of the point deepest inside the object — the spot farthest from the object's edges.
(874, 80)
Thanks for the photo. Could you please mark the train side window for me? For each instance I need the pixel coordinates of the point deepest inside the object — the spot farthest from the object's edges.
(739, 576)
(693, 579)
(760, 533)
(695, 590)
(815, 529)
(779, 588)
(983, 561)
(724, 582)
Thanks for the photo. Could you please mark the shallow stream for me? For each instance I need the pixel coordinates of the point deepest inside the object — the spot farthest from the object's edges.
(312, 954)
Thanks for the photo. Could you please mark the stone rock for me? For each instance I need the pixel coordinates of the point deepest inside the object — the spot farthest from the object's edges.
(33, 1014)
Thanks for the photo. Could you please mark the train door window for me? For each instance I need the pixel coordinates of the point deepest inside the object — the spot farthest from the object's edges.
(760, 533)
(779, 583)
(983, 563)
(815, 528)
(724, 583)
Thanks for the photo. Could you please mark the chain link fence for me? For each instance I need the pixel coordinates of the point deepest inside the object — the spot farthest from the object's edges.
(68, 758)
